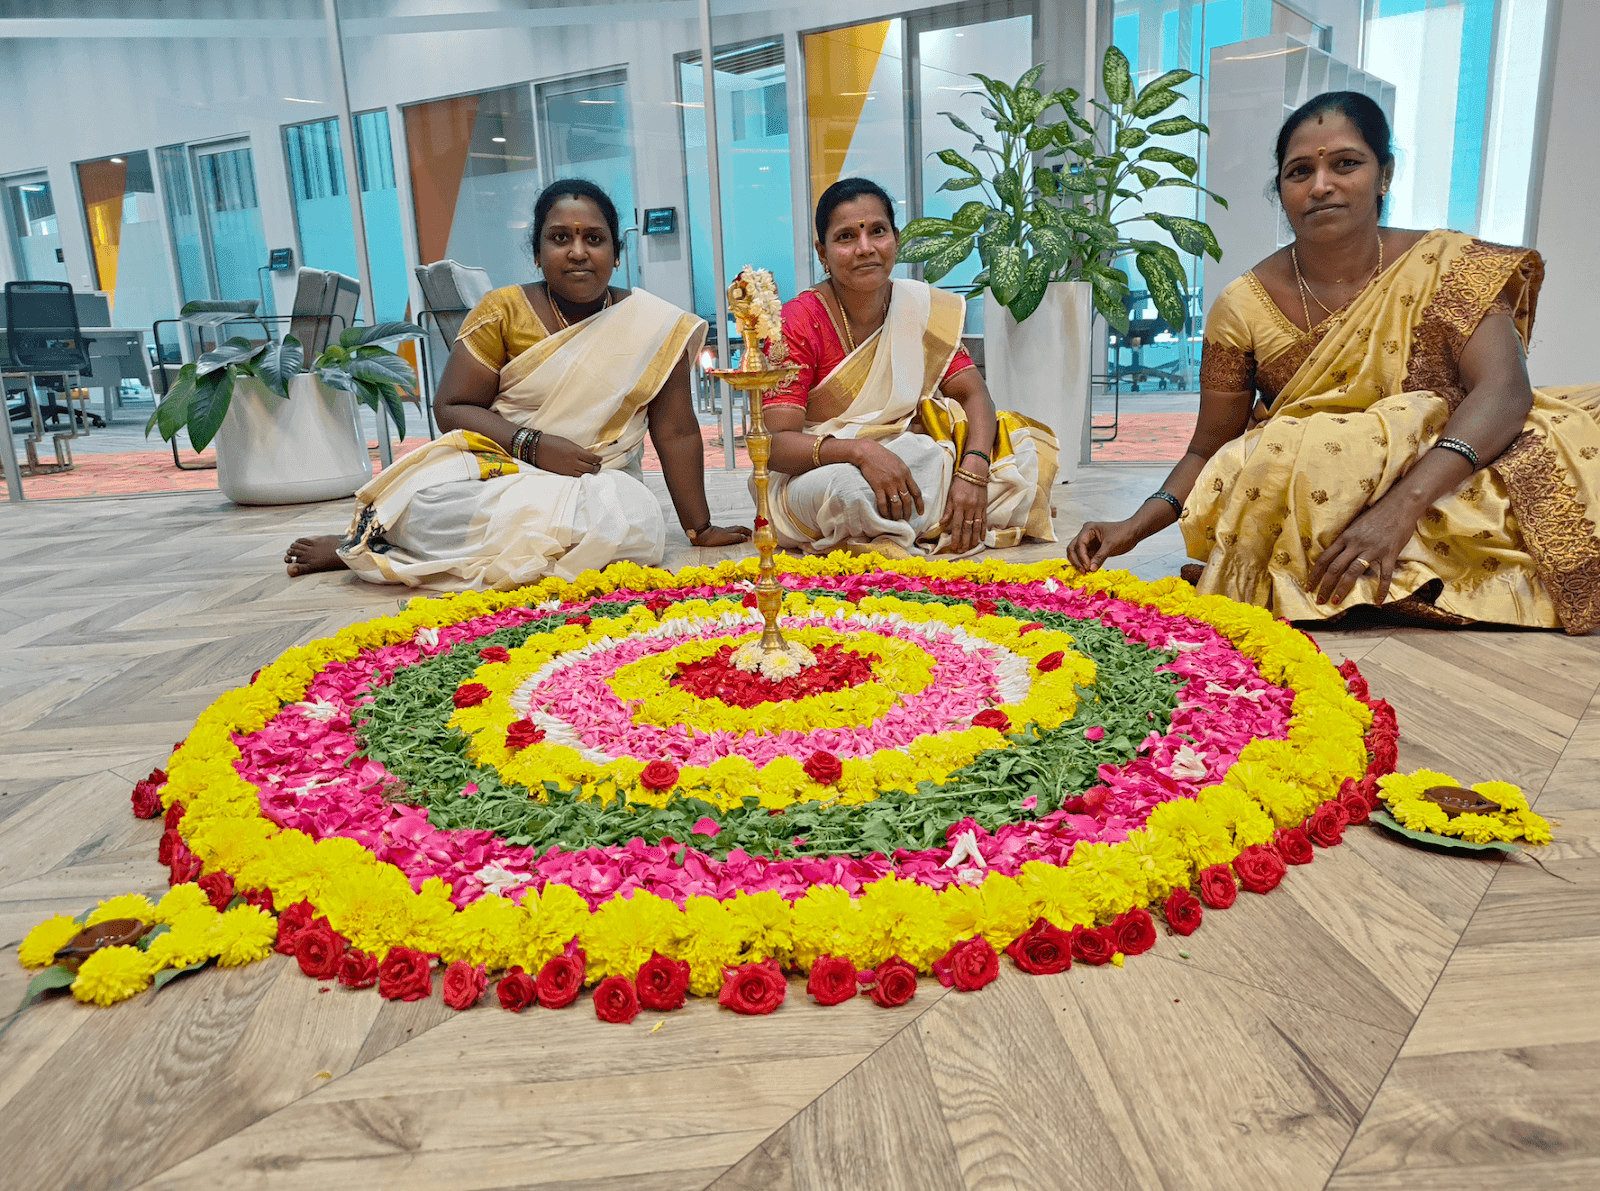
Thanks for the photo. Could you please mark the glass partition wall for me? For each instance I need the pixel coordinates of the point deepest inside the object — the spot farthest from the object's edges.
(32, 230)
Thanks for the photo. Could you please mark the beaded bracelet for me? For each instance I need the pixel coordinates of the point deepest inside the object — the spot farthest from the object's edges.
(518, 441)
(1163, 494)
(533, 447)
(978, 453)
(1464, 449)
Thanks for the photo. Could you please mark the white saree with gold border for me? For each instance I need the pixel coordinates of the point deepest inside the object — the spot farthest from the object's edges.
(461, 512)
(887, 390)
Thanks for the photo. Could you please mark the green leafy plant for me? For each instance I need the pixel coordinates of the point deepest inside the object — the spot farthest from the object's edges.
(1049, 223)
(200, 397)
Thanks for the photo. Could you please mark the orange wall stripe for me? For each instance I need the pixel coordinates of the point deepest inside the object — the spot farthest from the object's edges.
(839, 69)
(438, 138)
(103, 184)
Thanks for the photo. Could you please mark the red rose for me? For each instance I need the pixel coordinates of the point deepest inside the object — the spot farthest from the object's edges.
(1259, 868)
(579, 620)
(1183, 911)
(1136, 931)
(1042, 949)
(1385, 754)
(255, 675)
(984, 607)
(893, 983)
(1368, 788)
(175, 814)
(516, 990)
(185, 866)
(319, 949)
(968, 966)
(616, 1001)
(258, 897)
(1094, 946)
(1356, 809)
(832, 980)
(464, 984)
(523, 733)
(1353, 682)
(1217, 889)
(1051, 661)
(146, 799)
(560, 981)
(290, 923)
(358, 969)
(405, 975)
(659, 775)
(824, 768)
(753, 988)
(662, 982)
(1327, 823)
(749, 600)
(218, 887)
(171, 841)
(1033, 626)
(1293, 846)
(470, 694)
(992, 717)
(495, 653)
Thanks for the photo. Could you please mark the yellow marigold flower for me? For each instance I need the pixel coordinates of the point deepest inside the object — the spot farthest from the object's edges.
(1534, 829)
(1417, 815)
(39, 949)
(188, 942)
(127, 905)
(1481, 829)
(113, 974)
(1508, 796)
(179, 900)
(243, 935)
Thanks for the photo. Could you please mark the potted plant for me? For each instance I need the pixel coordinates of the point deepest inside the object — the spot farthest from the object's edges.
(1050, 236)
(287, 434)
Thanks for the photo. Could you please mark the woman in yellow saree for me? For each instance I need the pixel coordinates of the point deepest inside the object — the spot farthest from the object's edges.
(540, 470)
(1396, 450)
(887, 440)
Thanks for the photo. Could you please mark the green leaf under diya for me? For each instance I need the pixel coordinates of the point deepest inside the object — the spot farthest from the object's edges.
(167, 975)
(1429, 839)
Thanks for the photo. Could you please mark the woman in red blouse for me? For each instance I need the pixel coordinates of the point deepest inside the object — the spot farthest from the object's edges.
(887, 440)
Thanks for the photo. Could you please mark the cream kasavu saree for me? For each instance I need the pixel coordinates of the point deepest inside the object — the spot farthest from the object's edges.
(461, 512)
(888, 390)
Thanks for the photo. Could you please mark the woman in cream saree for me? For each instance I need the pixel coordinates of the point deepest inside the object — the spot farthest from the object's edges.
(540, 470)
(886, 440)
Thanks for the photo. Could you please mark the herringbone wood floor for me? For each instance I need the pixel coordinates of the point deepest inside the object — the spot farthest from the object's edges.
(1388, 1019)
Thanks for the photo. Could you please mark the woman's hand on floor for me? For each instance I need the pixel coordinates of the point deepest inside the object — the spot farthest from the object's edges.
(1370, 543)
(1100, 540)
(966, 514)
(565, 457)
(891, 481)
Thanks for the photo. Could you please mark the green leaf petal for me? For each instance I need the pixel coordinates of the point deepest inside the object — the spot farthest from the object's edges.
(235, 351)
(955, 161)
(209, 406)
(1006, 271)
(1053, 246)
(1153, 101)
(960, 183)
(1000, 91)
(1166, 82)
(1131, 138)
(918, 228)
(1166, 291)
(971, 216)
(1034, 282)
(1190, 235)
(54, 976)
(925, 248)
(1117, 76)
(167, 975)
(1176, 126)
(279, 363)
(1031, 78)
(383, 368)
(1388, 823)
(960, 123)
(1146, 175)
(1038, 138)
(357, 336)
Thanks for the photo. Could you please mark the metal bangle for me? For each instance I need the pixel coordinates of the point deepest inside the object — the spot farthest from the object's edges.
(963, 474)
(1464, 449)
(533, 447)
(518, 440)
(816, 449)
(1163, 494)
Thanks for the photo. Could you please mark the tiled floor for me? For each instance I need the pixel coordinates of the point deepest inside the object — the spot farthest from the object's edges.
(1390, 1018)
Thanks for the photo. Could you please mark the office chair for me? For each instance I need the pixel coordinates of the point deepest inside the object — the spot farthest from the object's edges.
(449, 292)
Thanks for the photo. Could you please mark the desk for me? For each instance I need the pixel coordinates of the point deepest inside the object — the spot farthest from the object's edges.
(115, 354)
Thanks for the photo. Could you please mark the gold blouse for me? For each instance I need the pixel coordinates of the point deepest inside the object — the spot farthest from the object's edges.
(501, 327)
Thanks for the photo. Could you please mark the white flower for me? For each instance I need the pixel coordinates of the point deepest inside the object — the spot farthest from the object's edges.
(427, 638)
(966, 848)
(318, 709)
(1186, 763)
(1213, 688)
(497, 878)
(971, 876)
(1184, 646)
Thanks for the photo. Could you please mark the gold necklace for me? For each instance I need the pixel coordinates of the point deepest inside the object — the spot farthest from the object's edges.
(850, 338)
(561, 318)
(1305, 288)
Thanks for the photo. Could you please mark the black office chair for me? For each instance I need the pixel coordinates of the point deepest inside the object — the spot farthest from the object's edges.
(44, 337)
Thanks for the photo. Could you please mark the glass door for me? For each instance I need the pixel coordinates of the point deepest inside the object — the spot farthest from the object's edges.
(583, 127)
(230, 221)
(129, 258)
(32, 229)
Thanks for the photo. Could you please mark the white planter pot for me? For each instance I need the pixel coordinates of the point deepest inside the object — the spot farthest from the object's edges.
(272, 451)
(1040, 366)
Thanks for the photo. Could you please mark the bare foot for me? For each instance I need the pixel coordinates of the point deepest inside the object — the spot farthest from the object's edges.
(314, 554)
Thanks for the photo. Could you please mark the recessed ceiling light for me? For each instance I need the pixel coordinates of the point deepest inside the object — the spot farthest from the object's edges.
(499, 140)
(117, 160)
(292, 99)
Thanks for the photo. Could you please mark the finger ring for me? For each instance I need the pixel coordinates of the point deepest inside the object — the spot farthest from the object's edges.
(1365, 565)
(894, 496)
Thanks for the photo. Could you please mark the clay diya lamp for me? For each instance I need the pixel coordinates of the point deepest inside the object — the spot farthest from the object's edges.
(113, 932)
(1458, 800)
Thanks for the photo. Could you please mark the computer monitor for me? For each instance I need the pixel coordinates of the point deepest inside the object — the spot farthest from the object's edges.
(94, 309)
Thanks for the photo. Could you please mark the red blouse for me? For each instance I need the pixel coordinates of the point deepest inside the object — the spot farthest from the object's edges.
(814, 345)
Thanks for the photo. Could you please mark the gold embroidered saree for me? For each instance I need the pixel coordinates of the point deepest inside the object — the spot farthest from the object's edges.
(462, 512)
(887, 390)
(1353, 403)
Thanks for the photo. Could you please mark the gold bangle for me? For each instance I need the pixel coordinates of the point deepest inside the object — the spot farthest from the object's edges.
(963, 474)
(816, 449)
